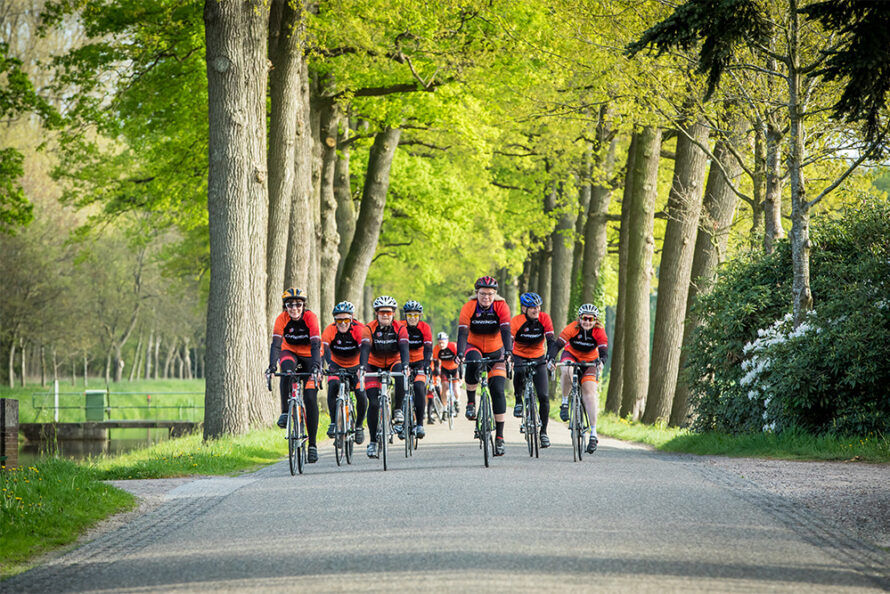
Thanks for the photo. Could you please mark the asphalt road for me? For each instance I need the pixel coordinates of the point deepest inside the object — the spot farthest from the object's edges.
(624, 519)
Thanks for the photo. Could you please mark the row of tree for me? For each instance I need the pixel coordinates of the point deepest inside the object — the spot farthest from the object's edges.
(358, 147)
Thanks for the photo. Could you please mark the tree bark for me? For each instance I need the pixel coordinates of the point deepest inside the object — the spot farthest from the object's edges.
(136, 359)
(562, 241)
(42, 366)
(616, 365)
(584, 192)
(232, 32)
(187, 358)
(545, 261)
(12, 361)
(24, 366)
(800, 210)
(302, 231)
(684, 210)
(370, 217)
(595, 231)
(168, 360)
(285, 119)
(330, 238)
(149, 351)
(710, 249)
(343, 193)
(639, 273)
(772, 198)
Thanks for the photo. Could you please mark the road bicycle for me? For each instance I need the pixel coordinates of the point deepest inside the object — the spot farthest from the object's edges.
(579, 424)
(484, 413)
(450, 403)
(407, 432)
(385, 430)
(344, 417)
(530, 425)
(295, 433)
(434, 407)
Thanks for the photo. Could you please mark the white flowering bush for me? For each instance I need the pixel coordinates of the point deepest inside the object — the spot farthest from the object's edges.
(750, 369)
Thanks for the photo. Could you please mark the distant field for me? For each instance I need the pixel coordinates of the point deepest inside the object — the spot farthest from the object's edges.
(146, 399)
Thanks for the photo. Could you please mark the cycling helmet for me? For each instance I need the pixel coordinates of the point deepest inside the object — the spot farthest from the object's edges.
(531, 300)
(589, 309)
(344, 307)
(293, 293)
(412, 306)
(386, 301)
(442, 336)
(486, 282)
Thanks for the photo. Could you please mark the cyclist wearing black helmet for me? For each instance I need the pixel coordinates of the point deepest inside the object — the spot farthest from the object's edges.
(296, 346)
(484, 332)
(342, 342)
(532, 338)
(386, 348)
(420, 348)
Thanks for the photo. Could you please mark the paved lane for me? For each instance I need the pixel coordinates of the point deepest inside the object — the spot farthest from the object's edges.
(625, 519)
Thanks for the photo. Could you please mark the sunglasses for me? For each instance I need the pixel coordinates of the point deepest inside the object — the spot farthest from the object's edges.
(412, 316)
(384, 312)
(343, 320)
(293, 304)
(587, 318)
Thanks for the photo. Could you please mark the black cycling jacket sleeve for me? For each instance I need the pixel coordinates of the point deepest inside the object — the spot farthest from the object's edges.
(427, 355)
(327, 355)
(274, 351)
(315, 350)
(507, 338)
(603, 352)
(404, 353)
(550, 342)
(462, 334)
(555, 348)
(364, 353)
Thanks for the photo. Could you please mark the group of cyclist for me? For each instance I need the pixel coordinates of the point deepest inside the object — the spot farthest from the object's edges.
(488, 338)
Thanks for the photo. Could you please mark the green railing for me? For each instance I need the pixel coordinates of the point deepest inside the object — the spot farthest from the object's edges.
(100, 405)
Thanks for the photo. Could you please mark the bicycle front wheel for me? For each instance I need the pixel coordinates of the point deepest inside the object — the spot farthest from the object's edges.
(340, 432)
(577, 435)
(485, 432)
(383, 444)
(350, 436)
(292, 437)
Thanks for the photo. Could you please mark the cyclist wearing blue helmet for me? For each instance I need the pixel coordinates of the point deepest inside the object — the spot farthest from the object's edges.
(532, 332)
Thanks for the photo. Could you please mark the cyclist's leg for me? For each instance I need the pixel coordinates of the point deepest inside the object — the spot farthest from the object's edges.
(333, 392)
(310, 399)
(471, 374)
(497, 380)
(399, 395)
(419, 398)
(518, 382)
(287, 362)
(589, 395)
(372, 390)
(542, 388)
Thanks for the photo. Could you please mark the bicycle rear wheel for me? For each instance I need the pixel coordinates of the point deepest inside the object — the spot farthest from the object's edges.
(528, 420)
(535, 425)
(408, 425)
(577, 434)
(384, 430)
(485, 431)
(451, 411)
(292, 439)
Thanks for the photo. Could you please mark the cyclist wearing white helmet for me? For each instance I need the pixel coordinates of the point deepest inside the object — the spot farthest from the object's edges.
(342, 342)
(420, 347)
(386, 348)
(532, 333)
(444, 365)
(584, 341)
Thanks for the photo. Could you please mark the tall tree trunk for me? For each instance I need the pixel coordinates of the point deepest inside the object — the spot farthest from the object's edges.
(233, 30)
(800, 209)
(710, 249)
(343, 194)
(186, 358)
(55, 363)
(86, 368)
(285, 119)
(370, 217)
(42, 366)
(149, 352)
(330, 238)
(616, 365)
(24, 363)
(260, 408)
(639, 273)
(545, 262)
(168, 359)
(157, 356)
(585, 187)
(316, 103)
(563, 240)
(136, 359)
(12, 361)
(595, 231)
(684, 210)
(772, 199)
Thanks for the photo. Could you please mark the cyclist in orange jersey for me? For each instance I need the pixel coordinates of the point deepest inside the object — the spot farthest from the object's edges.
(342, 342)
(420, 347)
(533, 336)
(386, 348)
(484, 332)
(296, 346)
(585, 341)
(444, 355)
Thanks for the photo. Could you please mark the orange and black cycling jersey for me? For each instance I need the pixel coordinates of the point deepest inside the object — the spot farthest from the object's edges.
(420, 342)
(343, 348)
(581, 344)
(530, 336)
(387, 345)
(297, 335)
(444, 358)
(486, 329)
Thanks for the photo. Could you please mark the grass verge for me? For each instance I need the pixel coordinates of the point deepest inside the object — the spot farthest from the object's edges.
(53, 502)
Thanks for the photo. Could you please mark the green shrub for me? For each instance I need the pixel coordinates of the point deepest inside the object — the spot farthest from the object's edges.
(750, 370)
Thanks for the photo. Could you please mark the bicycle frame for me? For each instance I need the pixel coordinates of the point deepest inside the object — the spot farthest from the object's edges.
(384, 425)
(531, 424)
(344, 416)
(579, 423)
(485, 415)
(295, 432)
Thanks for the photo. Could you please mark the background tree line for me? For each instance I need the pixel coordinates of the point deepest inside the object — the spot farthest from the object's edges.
(356, 148)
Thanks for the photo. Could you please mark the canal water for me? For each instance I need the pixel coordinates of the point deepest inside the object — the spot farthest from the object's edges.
(29, 453)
